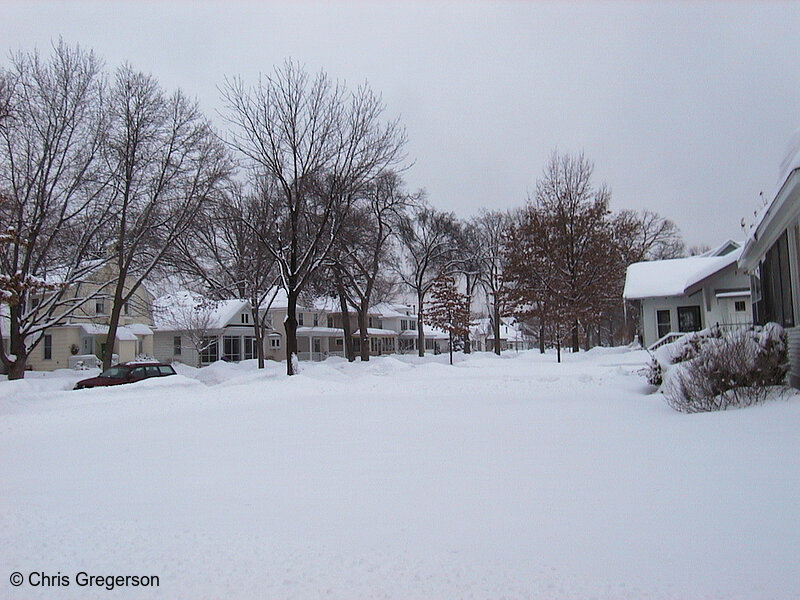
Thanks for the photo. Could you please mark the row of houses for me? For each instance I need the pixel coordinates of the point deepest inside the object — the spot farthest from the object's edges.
(185, 327)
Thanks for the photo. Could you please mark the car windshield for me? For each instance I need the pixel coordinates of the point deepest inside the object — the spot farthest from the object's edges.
(116, 372)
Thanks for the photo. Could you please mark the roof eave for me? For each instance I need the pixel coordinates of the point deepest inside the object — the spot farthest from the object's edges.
(769, 228)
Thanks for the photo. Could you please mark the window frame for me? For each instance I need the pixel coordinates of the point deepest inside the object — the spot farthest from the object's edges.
(660, 333)
(47, 346)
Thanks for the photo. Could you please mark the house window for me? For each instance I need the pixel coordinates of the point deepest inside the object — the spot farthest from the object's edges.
(689, 318)
(663, 322)
(126, 308)
(776, 290)
(316, 320)
(740, 306)
(274, 342)
(369, 322)
(330, 322)
(48, 346)
(250, 348)
(231, 348)
(339, 342)
(300, 319)
(429, 344)
(403, 325)
(245, 318)
(100, 306)
(176, 345)
(208, 350)
(412, 324)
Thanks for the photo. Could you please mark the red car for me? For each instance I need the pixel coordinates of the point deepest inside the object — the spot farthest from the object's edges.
(126, 373)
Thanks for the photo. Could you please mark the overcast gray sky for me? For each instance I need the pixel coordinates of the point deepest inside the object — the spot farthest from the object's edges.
(685, 108)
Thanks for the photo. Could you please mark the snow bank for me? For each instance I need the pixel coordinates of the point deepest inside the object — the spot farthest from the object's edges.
(515, 477)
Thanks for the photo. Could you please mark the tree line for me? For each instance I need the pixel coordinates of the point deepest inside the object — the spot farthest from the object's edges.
(108, 174)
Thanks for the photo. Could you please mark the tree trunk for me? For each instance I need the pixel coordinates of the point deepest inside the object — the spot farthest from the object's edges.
(496, 327)
(558, 345)
(451, 348)
(113, 323)
(363, 333)
(347, 332)
(575, 345)
(467, 343)
(291, 331)
(258, 333)
(586, 337)
(420, 330)
(16, 346)
(541, 336)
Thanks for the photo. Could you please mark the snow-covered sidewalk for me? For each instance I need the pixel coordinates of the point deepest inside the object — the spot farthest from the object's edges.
(511, 477)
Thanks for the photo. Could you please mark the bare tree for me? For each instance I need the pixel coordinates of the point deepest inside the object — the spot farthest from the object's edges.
(427, 238)
(646, 235)
(310, 148)
(52, 217)
(364, 256)
(492, 229)
(222, 253)
(165, 162)
(699, 249)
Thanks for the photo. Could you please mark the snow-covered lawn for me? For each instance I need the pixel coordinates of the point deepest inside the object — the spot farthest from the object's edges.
(510, 477)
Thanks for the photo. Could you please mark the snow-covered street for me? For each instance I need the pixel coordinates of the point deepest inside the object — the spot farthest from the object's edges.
(510, 477)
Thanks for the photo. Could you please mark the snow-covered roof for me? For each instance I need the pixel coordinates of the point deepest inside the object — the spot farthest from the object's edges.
(673, 277)
(123, 333)
(390, 310)
(724, 248)
(428, 331)
(168, 310)
(377, 331)
(139, 328)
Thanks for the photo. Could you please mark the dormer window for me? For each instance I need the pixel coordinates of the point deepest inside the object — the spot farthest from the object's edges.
(246, 318)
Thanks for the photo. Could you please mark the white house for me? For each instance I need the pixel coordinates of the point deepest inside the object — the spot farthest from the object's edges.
(771, 255)
(512, 336)
(688, 294)
(189, 329)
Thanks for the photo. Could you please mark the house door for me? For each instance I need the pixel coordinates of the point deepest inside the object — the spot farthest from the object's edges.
(316, 347)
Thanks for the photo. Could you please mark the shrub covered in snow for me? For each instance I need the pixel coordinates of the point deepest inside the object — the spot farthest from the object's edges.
(681, 350)
(710, 371)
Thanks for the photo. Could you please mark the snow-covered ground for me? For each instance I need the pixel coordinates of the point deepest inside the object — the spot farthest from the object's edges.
(510, 477)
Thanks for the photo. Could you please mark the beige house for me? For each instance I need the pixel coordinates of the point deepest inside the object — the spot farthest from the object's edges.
(81, 338)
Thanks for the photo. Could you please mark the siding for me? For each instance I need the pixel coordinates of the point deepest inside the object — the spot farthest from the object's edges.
(793, 334)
